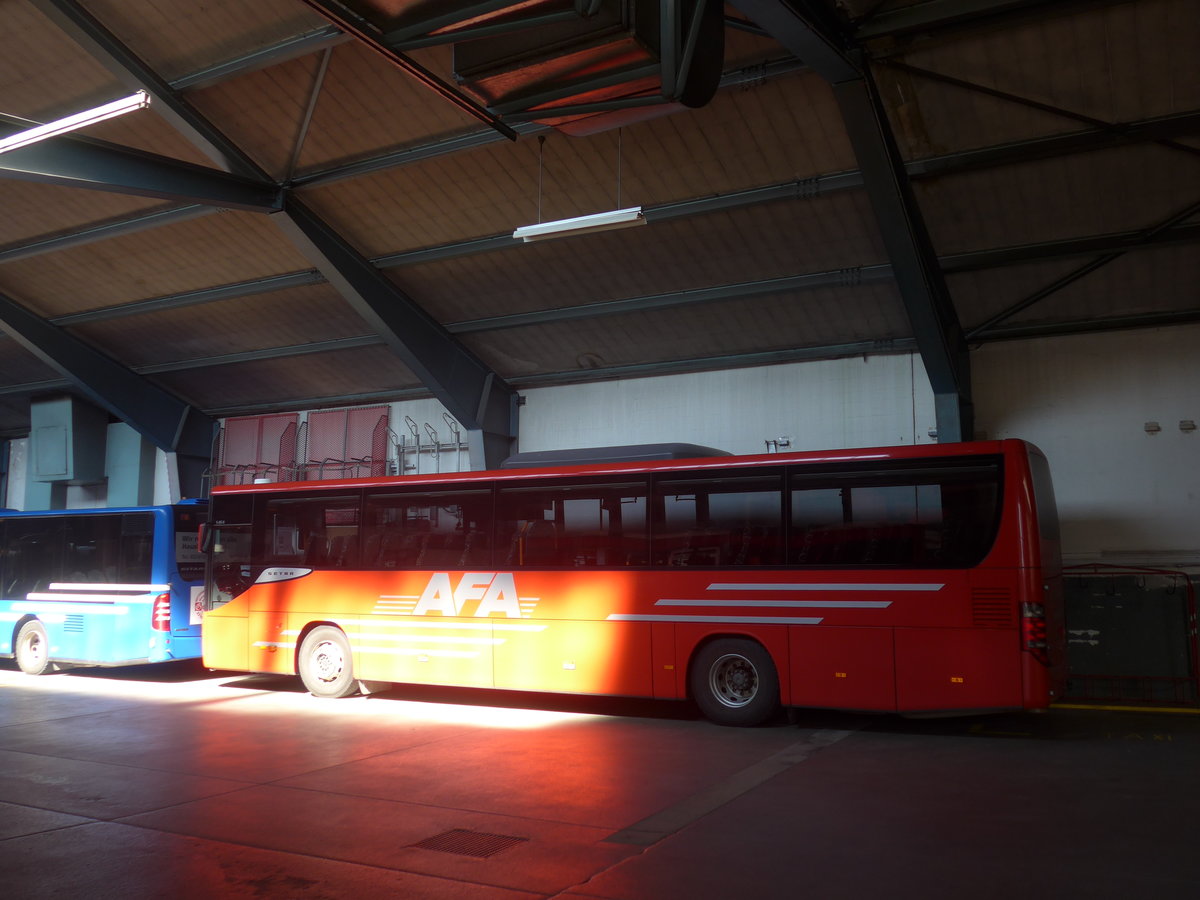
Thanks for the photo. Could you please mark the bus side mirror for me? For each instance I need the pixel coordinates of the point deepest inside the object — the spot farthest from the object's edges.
(203, 538)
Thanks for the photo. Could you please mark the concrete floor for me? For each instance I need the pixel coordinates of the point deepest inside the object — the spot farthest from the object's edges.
(175, 782)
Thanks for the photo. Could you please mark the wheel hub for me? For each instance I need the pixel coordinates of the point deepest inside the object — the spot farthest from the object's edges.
(328, 661)
(734, 680)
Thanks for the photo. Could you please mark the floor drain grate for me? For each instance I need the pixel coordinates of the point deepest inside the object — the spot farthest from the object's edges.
(470, 843)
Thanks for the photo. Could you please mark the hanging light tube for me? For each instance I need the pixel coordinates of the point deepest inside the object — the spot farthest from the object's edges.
(605, 221)
(140, 100)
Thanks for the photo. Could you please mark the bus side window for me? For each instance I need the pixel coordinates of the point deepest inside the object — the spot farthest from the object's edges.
(409, 530)
(937, 514)
(35, 553)
(576, 524)
(316, 532)
(734, 519)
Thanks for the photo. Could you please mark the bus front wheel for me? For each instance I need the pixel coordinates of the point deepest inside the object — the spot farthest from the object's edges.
(734, 682)
(326, 667)
(33, 649)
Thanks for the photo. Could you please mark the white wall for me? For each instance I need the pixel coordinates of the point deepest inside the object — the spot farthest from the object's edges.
(1124, 495)
(821, 405)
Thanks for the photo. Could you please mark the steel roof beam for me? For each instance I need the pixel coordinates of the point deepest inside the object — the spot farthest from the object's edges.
(100, 166)
(162, 418)
(811, 32)
(475, 395)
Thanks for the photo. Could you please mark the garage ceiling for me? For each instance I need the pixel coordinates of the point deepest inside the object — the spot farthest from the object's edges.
(317, 209)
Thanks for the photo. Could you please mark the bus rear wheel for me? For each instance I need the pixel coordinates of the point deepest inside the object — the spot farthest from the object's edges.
(734, 682)
(326, 667)
(33, 649)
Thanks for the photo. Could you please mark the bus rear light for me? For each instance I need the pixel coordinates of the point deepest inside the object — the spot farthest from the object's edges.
(160, 619)
(1033, 631)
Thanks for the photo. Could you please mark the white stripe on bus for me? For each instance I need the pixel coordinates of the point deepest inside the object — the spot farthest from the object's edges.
(66, 608)
(410, 651)
(89, 586)
(417, 622)
(831, 586)
(742, 620)
(88, 598)
(806, 604)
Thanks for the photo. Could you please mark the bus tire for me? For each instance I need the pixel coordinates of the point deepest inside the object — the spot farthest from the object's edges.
(32, 649)
(325, 664)
(734, 682)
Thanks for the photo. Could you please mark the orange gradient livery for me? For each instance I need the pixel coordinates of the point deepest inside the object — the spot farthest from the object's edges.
(909, 579)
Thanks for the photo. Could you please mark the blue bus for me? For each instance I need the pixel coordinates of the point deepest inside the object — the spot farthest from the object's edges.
(100, 587)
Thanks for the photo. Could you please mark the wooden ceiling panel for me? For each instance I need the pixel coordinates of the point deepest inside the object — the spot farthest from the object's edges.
(177, 39)
(762, 324)
(766, 241)
(1117, 62)
(367, 105)
(262, 112)
(281, 318)
(1149, 282)
(1125, 189)
(930, 118)
(1145, 283)
(43, 73)
(282, 381)
(33, 211)
(199, 253)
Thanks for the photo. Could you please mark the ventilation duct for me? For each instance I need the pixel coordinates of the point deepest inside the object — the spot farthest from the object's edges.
(608, 63)
(583, 66)
(67, 439)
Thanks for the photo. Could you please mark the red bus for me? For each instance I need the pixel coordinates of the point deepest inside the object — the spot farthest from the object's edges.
(910, 579)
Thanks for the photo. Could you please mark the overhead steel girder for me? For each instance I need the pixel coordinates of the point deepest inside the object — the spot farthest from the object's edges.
(162, 418)
(87, 31)
(809, 31)
(475, 395)
(101, 166)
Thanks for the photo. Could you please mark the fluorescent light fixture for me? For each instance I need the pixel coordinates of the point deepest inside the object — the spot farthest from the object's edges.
(605, 221)
(140, 100)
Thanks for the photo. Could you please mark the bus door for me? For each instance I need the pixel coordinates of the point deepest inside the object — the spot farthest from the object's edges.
(186, 577)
